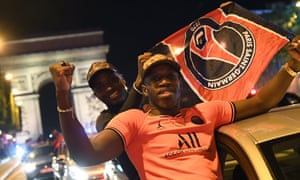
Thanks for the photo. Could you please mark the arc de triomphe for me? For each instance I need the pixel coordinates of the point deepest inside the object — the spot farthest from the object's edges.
(28, 61)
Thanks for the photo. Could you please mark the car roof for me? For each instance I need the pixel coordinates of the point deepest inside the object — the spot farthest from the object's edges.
(276, 123)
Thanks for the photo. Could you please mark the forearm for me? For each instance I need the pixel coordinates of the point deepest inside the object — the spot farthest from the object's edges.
(73, 131)
(75, 137)
(268, 96)
(271, 94)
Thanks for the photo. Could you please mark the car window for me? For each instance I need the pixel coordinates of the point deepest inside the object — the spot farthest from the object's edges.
(37, 151)
(282, 155)
(233, 160)
(42, 150)
(232, 170)
(285, 156)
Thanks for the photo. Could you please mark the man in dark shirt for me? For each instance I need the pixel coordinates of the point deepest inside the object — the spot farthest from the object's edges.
(109, 86)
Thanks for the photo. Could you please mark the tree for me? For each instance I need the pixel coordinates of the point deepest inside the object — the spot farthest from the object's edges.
(287, 17)
(4, 103)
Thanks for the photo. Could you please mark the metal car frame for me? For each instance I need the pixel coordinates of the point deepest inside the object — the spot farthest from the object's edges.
(245, 142)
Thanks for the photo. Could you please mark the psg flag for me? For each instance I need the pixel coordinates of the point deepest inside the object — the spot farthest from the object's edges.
(223, 53)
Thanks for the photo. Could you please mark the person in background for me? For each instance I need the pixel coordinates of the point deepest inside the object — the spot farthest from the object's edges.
(40, 139)
(57, 141)
(166, 142)
(109, 86)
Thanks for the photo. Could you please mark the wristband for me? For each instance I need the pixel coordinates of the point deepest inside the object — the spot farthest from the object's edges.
(70, 109)
(289, 70)
(136, 89)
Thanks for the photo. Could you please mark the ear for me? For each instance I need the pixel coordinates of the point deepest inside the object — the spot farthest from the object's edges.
(144, 90)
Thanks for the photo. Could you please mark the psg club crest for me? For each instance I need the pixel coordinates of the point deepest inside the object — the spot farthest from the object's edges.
(218, 55)
(223, 53)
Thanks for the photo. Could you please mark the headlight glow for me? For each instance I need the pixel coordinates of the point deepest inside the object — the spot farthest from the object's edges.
(31, 155)
(29, 167)
(77, 174)
(20, 151)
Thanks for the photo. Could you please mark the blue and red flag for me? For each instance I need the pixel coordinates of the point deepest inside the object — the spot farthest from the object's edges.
(223, 53)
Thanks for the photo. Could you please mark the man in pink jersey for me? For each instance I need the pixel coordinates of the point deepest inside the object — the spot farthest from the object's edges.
(166, 141)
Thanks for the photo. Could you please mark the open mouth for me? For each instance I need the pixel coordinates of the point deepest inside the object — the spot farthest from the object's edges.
(165, 93)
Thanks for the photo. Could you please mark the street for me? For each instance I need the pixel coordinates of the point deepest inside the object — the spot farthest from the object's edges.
(18, 174)
(10, 169)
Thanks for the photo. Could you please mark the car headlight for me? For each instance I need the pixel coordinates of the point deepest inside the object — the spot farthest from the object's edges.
(29, 167)
(20, 151)
(31, 155)
(77, 174)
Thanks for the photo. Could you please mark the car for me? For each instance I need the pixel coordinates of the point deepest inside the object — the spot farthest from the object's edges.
(264, 147)
(37, 163)
(96, 172)
(104, 171)
(64, 167)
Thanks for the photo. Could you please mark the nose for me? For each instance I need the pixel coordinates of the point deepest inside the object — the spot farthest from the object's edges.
(164, 81)
(108, 88)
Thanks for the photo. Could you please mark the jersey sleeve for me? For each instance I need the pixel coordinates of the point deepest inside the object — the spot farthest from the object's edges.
(221, 112)
(127, 124)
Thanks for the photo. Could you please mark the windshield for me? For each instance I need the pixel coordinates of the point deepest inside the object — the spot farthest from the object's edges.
(283, 155)
(42, 150)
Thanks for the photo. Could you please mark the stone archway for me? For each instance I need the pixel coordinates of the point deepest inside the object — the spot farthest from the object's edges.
(29, 60)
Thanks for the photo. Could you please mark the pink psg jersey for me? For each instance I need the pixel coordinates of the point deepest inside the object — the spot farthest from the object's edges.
(174, 147)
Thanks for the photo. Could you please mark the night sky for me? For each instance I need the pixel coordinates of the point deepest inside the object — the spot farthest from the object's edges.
(130, 27)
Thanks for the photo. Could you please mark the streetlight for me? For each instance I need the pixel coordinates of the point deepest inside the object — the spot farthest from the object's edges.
(298, 4)
(8, 76)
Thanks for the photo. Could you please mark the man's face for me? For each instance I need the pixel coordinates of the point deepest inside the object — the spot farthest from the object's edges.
(110, 88)
(162, 86)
